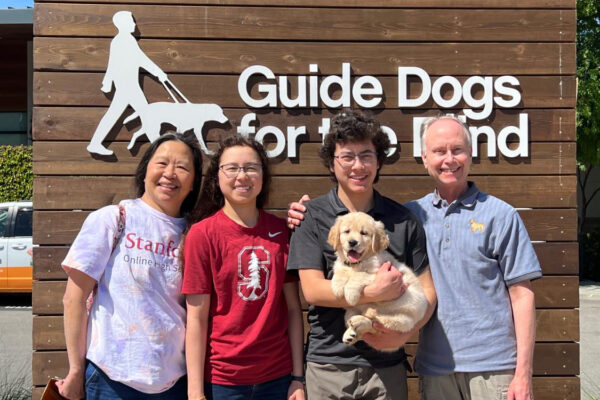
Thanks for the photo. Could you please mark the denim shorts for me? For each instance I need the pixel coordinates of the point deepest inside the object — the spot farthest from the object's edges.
(272, 390)
(98, 386)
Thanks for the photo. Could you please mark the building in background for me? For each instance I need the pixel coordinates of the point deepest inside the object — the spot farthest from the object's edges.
(16, 44)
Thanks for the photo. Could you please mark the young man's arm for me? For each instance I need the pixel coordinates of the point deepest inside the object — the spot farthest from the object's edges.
(523, 305)
(387, 339)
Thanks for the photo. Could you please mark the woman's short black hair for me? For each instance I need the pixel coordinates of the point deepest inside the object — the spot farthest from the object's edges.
(351, 126)
(187, 139)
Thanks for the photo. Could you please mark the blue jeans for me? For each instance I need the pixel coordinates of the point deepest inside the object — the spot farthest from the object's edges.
(98, 386)
(272, 390)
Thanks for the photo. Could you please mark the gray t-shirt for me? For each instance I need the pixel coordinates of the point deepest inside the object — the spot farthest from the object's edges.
(309, 250)
(477, 246)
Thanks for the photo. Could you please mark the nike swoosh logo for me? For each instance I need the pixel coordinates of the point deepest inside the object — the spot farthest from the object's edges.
(272, 235)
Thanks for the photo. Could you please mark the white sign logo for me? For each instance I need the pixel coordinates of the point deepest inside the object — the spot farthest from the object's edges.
(124, 62)
(313, 91)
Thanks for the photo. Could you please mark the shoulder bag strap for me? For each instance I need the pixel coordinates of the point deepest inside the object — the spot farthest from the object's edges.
(116, 237)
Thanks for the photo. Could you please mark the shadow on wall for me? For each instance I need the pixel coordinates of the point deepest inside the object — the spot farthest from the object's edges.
(589, 254)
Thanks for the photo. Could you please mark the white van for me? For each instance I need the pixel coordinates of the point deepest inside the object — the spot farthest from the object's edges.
(16, 267)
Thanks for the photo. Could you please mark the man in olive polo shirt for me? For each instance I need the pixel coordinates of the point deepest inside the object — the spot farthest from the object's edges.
(354, 152)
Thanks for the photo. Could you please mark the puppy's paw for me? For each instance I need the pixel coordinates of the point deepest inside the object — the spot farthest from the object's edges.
(352, 297)
(350, 337)
(338, 290)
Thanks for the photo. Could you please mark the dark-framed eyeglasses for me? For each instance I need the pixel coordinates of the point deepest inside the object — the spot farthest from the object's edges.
(347, 160)
(232, 170)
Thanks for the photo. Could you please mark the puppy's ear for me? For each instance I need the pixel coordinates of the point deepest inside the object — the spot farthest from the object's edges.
(380, 241)
(334, 234)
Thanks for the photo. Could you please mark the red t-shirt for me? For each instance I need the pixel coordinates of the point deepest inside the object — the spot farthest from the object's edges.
(243, 269)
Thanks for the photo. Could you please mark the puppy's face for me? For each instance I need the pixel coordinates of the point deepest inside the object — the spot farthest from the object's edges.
(356, 236)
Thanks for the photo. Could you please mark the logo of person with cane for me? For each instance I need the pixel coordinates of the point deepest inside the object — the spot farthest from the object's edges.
(124, 62)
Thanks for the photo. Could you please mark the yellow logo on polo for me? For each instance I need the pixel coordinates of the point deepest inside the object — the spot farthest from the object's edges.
(476, 226)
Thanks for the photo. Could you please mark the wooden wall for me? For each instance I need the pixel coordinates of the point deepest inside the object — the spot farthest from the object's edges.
(204, 46)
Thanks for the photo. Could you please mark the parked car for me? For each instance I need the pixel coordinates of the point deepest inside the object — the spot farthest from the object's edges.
(16, 266)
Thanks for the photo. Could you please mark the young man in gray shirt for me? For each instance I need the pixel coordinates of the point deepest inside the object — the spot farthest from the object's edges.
(354, 152)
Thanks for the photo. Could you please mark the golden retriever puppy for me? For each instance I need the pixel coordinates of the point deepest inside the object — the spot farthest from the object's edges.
(360, 244)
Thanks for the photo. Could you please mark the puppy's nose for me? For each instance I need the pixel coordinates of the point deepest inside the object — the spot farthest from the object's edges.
(352, 242)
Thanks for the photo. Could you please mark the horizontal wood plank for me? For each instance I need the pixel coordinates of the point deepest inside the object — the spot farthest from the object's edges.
(555, 258)
(499, 4)
(58, 88)
(56, 227)
(560, 325)
(48, 333)
(47, 297)
(550, 291)
(79, 123)
(46, 262)
(47, 365)
(89, 193)
(550, 225)
(61, 227)
(550, 359)
(280, 23)
(557, 325)
(556, 292)
(72, 158)
(232, 57)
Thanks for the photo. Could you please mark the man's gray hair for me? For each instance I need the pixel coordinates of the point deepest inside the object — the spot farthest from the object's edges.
(429, 121)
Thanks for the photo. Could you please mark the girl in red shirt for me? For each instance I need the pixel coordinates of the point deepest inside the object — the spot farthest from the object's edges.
(244, 336)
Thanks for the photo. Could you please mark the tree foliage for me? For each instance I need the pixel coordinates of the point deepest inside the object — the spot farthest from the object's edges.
(588, 81)
(588, 98)
(16, 179)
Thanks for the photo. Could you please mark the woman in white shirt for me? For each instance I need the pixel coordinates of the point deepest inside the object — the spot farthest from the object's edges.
(132, 344)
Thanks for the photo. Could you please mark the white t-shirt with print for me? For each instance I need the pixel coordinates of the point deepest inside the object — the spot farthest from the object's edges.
(136, 329)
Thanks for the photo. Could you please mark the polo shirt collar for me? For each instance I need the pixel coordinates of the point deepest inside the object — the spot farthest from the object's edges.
(339, 208)
(467, 199)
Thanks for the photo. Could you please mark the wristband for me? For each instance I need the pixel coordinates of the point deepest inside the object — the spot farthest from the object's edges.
(301, 379)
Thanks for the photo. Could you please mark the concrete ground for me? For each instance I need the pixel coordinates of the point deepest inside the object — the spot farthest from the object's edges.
(589, 326)
(15, 339)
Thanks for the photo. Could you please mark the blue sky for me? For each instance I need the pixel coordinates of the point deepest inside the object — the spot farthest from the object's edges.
(16, 3)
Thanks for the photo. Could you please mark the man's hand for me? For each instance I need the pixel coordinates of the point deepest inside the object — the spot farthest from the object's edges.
(296, 212)
(386, 339)
(520, 388)
(387, 285)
